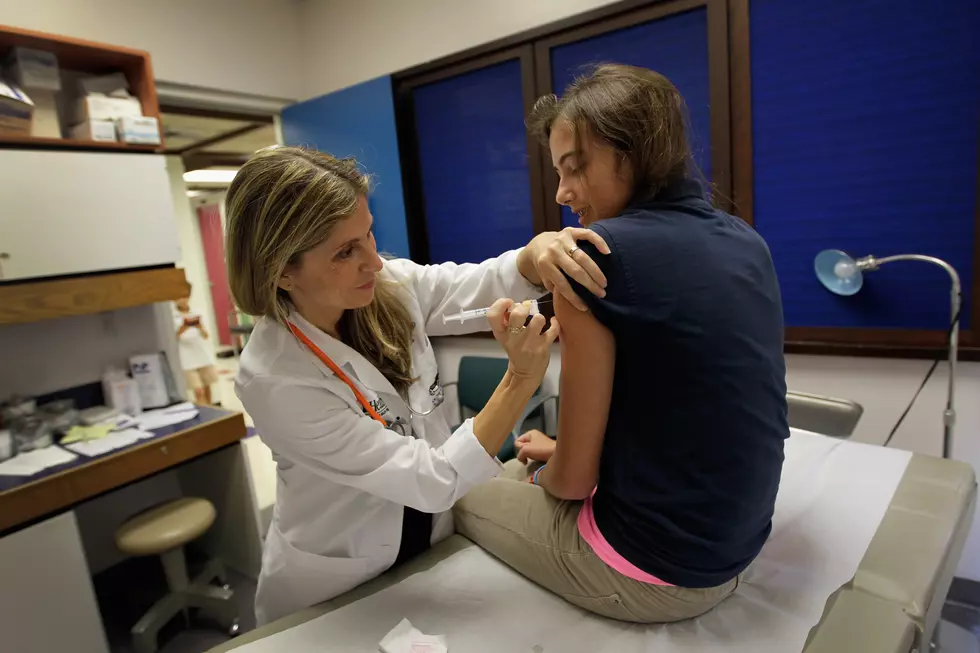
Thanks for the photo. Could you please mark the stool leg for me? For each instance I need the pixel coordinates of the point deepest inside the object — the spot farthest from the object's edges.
(175, 567)
(214, 569)
(216, 601)
(146, 629)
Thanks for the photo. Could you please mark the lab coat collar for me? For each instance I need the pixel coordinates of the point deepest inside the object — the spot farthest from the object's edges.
(361, 371)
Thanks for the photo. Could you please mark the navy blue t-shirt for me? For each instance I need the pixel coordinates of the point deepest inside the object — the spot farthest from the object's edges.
(693, 448)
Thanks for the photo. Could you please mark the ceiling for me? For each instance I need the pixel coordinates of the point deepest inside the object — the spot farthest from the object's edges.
(212, 139)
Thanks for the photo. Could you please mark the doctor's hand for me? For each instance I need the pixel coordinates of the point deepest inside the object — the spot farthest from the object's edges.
(534, 445)
(528, 347)
(551, 255)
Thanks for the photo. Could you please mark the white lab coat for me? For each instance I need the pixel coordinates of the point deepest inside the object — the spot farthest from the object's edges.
(343, 478)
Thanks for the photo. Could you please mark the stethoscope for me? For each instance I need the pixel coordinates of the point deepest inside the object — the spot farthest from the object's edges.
(326, 360)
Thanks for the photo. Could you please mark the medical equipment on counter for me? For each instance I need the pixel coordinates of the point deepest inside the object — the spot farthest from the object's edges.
(97, 415)
(476, 313)
(60, 414)
(6, 444)
(121, 392)
(842, 275)
(17, 407)
(149, 372)
(31, 433)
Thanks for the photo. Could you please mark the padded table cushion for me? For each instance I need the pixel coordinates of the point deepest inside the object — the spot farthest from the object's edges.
(890, 606)
(914, 553)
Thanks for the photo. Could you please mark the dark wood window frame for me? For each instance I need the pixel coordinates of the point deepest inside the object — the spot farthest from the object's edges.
(718, 91)
(892, 343)
(404, 85)
(730, 98)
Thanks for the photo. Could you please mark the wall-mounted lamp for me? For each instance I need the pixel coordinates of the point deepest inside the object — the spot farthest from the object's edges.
(842, 275)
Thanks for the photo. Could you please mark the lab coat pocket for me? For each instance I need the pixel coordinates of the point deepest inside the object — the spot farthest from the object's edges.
(297, 579)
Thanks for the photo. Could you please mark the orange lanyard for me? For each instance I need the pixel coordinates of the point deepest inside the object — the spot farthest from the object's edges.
(336, 370)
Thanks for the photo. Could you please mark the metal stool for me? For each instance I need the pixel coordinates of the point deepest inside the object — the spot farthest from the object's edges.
(163, 531)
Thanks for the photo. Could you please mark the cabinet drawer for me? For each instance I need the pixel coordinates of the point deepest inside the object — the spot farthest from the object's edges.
(74, 212)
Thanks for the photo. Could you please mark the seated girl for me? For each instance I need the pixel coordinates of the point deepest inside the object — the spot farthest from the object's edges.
(660, 488)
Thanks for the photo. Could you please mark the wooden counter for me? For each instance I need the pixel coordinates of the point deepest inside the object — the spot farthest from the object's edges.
(25, 499)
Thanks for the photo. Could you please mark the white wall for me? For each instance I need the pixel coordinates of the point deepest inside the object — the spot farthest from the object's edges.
(42, 357)
(883, 386)
(248, 46)
(349, 42)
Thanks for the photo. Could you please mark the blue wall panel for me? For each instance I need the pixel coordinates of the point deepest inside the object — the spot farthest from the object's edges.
(359, 121)
(865, 129)
(473, 156)
(676, 47)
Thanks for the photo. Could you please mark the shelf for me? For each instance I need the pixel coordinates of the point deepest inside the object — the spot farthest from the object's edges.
(73, 144)
(34, 301)
(87, 57)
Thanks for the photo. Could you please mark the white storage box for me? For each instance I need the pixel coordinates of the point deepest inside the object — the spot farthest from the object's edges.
(46, 122)
(33, 69)
(138, 131)
(103, 107)
(16, 111)
(95, 130)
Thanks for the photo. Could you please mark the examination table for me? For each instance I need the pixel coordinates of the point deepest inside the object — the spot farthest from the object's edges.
(891, 605)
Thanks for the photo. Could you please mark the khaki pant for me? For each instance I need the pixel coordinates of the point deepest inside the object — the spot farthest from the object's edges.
(537, 535)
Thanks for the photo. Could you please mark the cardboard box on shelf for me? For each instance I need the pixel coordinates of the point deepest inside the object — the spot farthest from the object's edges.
(95, 130)
(46, 123)
(16, 111)
(104, 84)
(139, 130)
(103, 107)
(35, 70)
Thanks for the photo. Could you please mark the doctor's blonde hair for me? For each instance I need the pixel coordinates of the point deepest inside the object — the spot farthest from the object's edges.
(284, 202)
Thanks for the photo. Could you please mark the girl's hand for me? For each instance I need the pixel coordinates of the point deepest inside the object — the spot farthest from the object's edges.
(528, 347)
(535, 445)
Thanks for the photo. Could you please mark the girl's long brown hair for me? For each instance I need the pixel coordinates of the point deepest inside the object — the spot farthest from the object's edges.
(639, 112)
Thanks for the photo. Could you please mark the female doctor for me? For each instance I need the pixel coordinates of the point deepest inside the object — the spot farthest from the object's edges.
(341, 380)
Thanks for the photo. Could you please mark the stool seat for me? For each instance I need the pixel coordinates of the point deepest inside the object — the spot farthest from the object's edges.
(165, 527)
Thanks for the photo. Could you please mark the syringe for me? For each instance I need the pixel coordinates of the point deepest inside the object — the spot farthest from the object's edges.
(466, 316)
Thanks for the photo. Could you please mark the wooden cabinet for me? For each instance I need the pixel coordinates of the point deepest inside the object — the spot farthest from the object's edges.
(80, 212)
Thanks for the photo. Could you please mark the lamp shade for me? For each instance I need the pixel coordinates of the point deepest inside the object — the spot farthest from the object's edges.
(838, 272)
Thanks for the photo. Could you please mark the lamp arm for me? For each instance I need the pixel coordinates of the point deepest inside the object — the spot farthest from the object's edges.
(870, 263)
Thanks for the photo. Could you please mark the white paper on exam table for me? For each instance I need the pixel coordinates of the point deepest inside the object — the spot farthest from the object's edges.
(32, 462)
(832, 498)
(114, 440)
(160, 417)
(406, 638)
